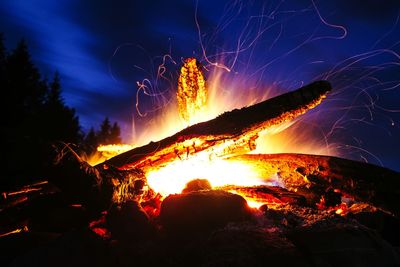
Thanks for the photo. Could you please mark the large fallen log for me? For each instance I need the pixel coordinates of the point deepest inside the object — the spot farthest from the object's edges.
(313, 176)
(233, 132)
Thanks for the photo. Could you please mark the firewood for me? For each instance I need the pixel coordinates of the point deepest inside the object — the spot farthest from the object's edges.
(231, 133)
(267, 194)
(95, 188)
(313, 176)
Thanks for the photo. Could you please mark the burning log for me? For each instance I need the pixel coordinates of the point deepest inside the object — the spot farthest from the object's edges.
(313, 176)
(231, 132)
(266, 195)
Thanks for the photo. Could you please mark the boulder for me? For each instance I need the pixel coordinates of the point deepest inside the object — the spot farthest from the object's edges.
(200, 211)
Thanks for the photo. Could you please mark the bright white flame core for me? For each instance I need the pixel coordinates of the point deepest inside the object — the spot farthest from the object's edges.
(172, 178)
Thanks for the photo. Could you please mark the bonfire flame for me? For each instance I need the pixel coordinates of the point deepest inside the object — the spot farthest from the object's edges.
(173, 178)
(192, 92)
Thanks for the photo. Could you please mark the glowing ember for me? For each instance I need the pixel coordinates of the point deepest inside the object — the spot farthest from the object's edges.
(251, 202)
(254, 204)
(16, 231)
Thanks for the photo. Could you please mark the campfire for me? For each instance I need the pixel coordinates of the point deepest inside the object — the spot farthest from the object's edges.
(203, 196)
(202, 150)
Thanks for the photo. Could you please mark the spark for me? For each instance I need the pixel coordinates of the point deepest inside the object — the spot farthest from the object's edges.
(116, 50)
(215, 64)
(342, 28)
(151, 90)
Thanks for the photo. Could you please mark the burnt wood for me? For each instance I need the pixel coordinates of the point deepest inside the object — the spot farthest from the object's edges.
(314, 176)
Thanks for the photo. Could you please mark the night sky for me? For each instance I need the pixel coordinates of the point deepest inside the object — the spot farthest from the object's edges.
(103, 48)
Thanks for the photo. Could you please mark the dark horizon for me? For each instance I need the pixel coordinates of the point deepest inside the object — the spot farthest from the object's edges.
(101, 50)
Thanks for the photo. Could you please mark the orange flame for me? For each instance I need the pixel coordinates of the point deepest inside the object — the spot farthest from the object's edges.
(105, 152)
(192, 92)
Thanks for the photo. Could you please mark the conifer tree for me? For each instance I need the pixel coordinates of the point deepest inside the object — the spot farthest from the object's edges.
(35, 117)
(61, 119)
(107, 134)
(115, 134)
(104, 133)
(3, 56)
(90, 142)
(3, 78)
(26, 87)
(23, 98)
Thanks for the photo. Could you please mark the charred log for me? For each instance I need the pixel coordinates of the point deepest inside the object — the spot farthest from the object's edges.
(316, 176)
(267, 194)
(95, 188)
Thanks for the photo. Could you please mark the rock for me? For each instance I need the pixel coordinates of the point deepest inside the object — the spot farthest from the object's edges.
(201, 211)
(282, 218)
(344, 245)
(386, 225)
(128, 222)
(50, 213)
(243, 246)
(197, 185)
(75, 248)
(16, 245)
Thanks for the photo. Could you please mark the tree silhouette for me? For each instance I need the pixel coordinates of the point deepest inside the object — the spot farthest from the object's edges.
(90, 142)
(104, 134)
(23, 98)
(115, 134)
(107, 134)
(54, 92)
(62, 119)
(3, 55)
(26, 86)
(3, 78)
(34, 117)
